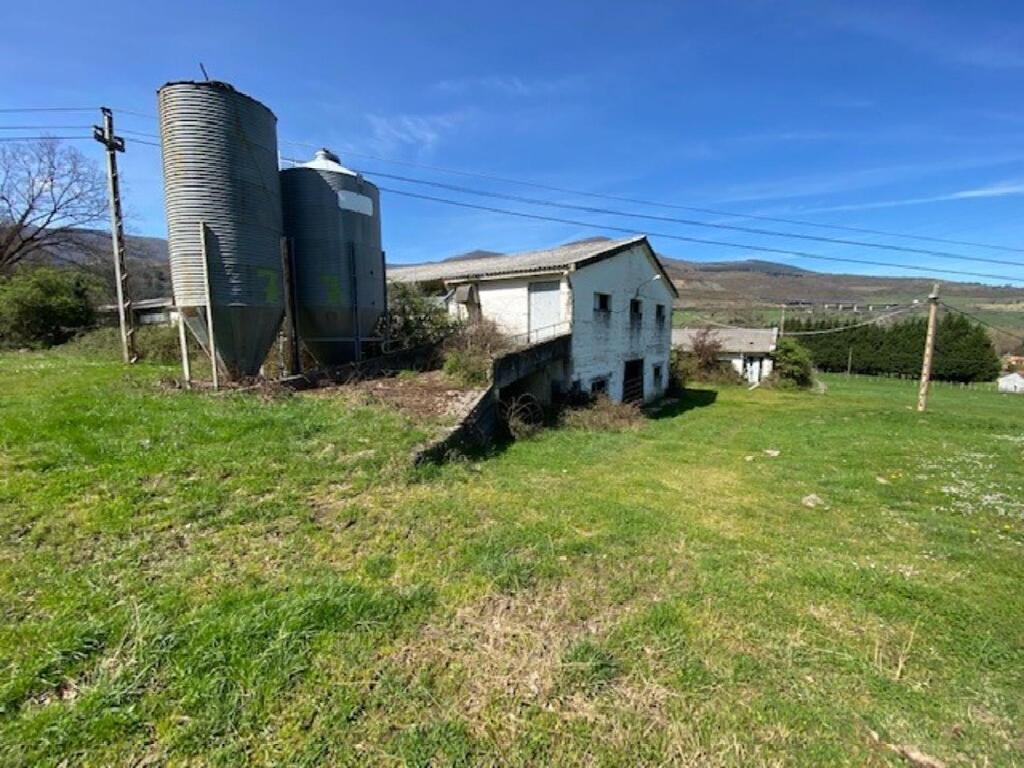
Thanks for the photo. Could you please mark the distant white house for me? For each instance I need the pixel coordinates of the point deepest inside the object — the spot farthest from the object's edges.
(748, 350)
(1011, 382)
(613, 296)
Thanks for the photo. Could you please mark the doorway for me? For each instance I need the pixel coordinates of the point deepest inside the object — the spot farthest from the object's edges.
(633, 381)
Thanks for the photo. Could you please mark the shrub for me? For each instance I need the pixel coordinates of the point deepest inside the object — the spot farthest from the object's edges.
(44, 306)
(602, 415)
(679, 372)
(153, 343)
(792, 365)
(414, 320)
(469, 352)
(706, 347)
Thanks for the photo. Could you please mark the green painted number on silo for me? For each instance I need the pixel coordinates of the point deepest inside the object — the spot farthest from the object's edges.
(333, 286)
(273, 285)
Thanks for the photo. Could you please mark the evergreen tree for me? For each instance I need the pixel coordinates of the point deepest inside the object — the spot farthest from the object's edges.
(963, 350)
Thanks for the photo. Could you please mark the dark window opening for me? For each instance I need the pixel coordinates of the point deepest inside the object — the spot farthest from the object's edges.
(599, 386)
(659, 315)
(657, 376)
(636, 311)
(602, 302)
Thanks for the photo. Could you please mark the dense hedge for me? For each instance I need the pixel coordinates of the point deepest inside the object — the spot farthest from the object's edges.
(963, 350)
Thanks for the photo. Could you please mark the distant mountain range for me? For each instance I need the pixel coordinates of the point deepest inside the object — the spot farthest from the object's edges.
(731, 283)
(713, 285)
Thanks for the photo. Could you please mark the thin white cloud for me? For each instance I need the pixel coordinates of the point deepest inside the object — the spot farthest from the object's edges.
(1001, 189)
(840, 181)
(970, 40)
(508, 85)
(411, 131)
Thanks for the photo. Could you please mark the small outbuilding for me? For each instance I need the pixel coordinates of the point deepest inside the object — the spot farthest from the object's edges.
(748, 350)
(1012, 383)
(612, 298)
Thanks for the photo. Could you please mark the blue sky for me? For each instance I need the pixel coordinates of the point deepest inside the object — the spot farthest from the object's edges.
(903, 116)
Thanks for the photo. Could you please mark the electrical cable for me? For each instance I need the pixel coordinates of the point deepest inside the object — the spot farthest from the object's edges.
(694, 222)
(674, 206)
(703, 241)
(978, 320)
(840, 329)
(44, 138)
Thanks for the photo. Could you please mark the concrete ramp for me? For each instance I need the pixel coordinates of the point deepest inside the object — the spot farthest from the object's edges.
(481, 422)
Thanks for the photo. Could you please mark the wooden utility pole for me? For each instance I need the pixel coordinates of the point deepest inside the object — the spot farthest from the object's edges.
(782, 321)
(105, 135)
(929, 348)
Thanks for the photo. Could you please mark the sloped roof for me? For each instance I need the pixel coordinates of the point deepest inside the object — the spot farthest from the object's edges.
(1011, 377)
(562, 257)
(748, 340)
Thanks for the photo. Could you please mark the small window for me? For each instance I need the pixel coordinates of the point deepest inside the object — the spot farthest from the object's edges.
(599, 386)
(659, 315)
(657, 376)
(636, 311)
(602, 302)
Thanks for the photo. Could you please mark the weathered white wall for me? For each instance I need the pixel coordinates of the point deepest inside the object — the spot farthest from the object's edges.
(739, 363)
(601, 343)
(507, 302)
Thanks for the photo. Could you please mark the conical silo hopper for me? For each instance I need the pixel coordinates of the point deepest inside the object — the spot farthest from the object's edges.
(223, 199)
(332, 222)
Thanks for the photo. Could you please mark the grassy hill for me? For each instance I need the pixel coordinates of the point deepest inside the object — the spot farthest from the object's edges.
(733, 292)
(242, 579)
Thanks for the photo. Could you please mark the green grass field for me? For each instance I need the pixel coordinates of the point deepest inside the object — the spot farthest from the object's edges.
(196, 579)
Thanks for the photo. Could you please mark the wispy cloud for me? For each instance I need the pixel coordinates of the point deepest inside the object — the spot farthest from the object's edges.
(508, 85)
(1000, 189)
(971, 41)
(412, 131)
(841, 181)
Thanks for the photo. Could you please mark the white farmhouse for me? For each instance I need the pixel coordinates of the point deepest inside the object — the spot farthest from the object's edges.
(748, 350)
(1012, 383)
(612, 296)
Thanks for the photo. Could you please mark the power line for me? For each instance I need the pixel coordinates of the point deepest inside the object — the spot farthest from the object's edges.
(977, 319)
(675, 206)
(653, 203)
(45, 127)
(696, 223)
(840, 329)
(43, 138)
(138, 133)
(134, 113)
(703, 241)
(11, 110)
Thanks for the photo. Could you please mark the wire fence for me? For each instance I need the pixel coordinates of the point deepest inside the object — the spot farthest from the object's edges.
(911, 380)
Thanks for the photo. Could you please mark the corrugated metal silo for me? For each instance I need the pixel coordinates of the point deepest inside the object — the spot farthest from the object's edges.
(332, 220)
(220, 169)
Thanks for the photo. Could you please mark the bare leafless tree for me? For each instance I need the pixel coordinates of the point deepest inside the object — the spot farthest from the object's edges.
(48, 193)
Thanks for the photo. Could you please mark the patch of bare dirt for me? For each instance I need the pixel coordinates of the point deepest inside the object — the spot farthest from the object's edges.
(427, 397)
(431, 396)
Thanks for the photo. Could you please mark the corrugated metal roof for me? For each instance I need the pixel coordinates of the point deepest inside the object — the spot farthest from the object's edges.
(531, 261)
(748, 340)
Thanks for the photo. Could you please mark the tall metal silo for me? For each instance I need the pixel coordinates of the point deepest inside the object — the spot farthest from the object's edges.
(332, 222)
(223, 199)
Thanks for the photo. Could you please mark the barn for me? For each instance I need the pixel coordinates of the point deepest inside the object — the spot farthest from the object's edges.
(612, 298)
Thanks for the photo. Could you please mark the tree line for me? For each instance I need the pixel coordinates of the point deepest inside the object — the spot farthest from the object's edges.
(963, 350)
